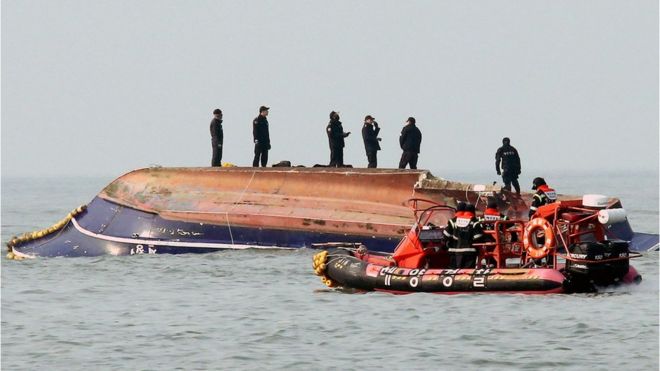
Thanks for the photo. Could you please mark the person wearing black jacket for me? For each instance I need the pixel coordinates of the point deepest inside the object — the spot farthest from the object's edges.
(461, 232)
(544, 195)
(261, 138)
(410, 141)
(370, 132)
(217, 137)
(507, 155)
(336, 136)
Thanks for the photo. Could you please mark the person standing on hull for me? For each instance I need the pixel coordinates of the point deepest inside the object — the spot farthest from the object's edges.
(261, 138)
(508, 157)
(544, 195)
(461, 232)
(410, 141)
(336, 136)
(217, 137)
(370, 132)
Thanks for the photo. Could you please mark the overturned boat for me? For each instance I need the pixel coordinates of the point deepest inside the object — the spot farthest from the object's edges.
(197, 210)
(563, 249)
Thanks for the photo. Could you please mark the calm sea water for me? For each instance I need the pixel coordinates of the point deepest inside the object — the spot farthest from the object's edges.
(266, 309)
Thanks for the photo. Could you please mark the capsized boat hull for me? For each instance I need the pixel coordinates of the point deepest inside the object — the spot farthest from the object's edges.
(197, 210)
(106, 228)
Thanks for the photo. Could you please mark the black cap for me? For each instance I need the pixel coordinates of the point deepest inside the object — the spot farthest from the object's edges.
(411, 120)
(263, 108)
(334, 115)
(368, 117)
(538, 181)
(492, 203)
(460, 206)
(470, 208)
(506, 140)
(217, 111)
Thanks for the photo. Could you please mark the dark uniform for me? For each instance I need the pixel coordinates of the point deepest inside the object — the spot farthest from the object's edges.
(336, 136)
(261, 138)
(461, 231)
(491, 214)
(217, 138)
(507, 155)
(410, 141)
(370, 137)
(544, 195)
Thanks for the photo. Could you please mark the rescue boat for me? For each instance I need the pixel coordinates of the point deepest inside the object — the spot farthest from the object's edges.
(565, 248)
(197, 210)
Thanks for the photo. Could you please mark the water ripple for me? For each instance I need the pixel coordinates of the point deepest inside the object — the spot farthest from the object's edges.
(266, 310)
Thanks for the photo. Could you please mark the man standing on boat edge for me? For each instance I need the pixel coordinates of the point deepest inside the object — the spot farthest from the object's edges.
(261, 138)
(370, 132)
(217, 137)
(410, 141)
(336, 136)
(508, 156)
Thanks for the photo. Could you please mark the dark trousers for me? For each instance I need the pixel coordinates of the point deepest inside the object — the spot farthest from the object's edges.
(336, 157)
(408, 157)
(260, 152)
(372, 158)
(462, 260)
(216, 159)
(510, 178)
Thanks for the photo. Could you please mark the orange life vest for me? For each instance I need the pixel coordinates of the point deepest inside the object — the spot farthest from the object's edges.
(550, 194)
(492, 214)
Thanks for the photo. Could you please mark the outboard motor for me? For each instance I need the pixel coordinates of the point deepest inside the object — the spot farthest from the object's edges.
(617, 249)
(586, 271)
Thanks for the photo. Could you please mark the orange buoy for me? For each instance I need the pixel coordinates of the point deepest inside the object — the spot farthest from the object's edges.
(535, 225)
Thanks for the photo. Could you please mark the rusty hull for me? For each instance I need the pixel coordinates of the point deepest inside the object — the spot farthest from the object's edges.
(199, 210)
(369, 202)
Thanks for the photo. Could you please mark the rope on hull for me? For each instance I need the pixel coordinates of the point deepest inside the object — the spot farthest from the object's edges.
(31, 236)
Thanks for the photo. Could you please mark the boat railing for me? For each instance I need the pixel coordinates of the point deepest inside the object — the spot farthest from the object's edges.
(503, 241)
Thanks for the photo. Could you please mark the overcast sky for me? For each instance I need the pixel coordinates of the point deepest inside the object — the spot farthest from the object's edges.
(103, 87)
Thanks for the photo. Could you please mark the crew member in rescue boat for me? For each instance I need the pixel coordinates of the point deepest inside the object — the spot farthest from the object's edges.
(544, 195)
(460, 208)
(492, 214)
(461, 232)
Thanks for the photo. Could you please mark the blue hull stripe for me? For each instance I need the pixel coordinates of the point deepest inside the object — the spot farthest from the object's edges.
(107, 228)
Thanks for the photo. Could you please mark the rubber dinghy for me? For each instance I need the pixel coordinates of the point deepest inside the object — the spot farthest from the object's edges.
(198, 210)
(505, 264)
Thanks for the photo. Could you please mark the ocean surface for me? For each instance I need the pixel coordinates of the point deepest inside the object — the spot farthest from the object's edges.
(258, 309)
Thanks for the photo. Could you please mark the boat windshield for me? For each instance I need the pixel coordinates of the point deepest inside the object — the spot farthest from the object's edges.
(435, 216)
